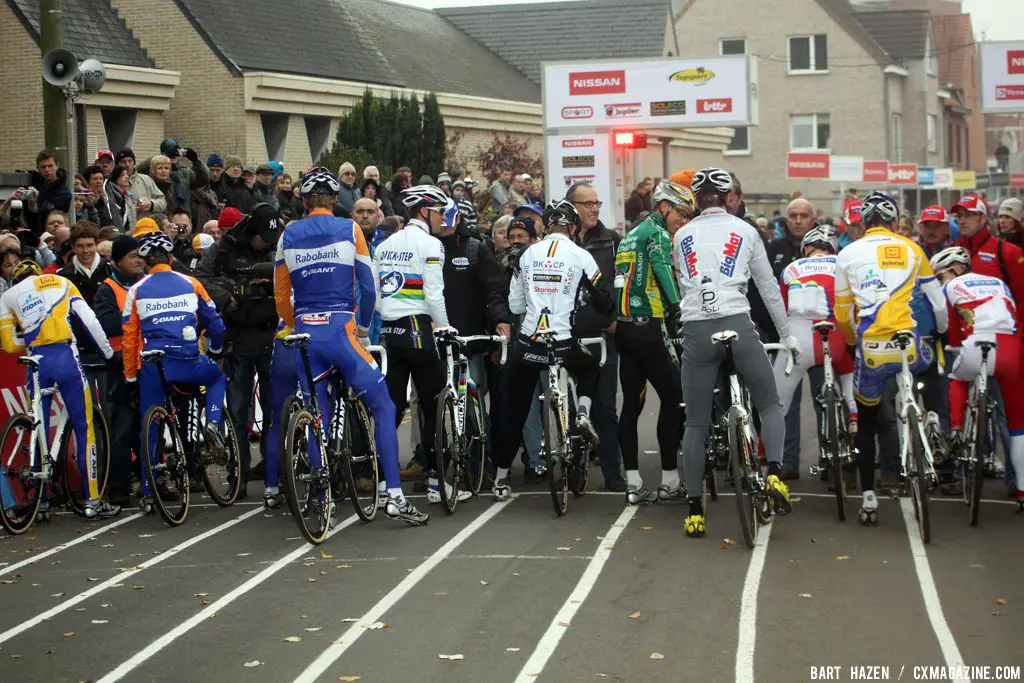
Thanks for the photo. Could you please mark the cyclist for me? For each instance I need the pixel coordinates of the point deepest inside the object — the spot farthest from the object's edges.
(320, 261)
(981, 308)
(548, 285)
(162, 312)
(808, 288)
(42, 307)
(648, 297)
(875, 281)
(715, 255)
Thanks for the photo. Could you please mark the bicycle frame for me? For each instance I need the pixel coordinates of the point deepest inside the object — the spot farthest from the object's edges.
(979, 385)
(40, 441)
(905, 397)
(561, 385)
(465, 385)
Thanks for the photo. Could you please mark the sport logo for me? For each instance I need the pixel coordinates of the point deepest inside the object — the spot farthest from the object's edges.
(720, 105)
(892, 256)
(316, 318)
(314, 255)
(698, 76)
(597, 82)
(391, 283)
(618, 111)
(731, 251)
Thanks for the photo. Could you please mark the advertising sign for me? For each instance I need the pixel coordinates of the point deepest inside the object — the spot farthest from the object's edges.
(876, 171)
(663, 93)
(925, 176)
(846, 169)
(903, 174)
(1002, 77)
(1017, 180)
(943, 178)
(964, 180)
(582, 158)
(807, 165)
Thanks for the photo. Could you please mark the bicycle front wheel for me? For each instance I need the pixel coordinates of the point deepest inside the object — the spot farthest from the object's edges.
(359, 461)
(20, 488)
(165, 465)
(832, 431)
(447, 451)
(554, 448)
(308, 487)
(746, 500)
(919, 477)
(974, 476)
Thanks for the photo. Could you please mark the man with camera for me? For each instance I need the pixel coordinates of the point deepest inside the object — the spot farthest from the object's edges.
(48, 191)
(238, 273)
(185, 177)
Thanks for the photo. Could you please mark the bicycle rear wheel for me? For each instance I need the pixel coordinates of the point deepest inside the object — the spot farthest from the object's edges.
(447, 451)
(919, 477)
(746, 503)
(165, 465)
(308, 488)
(832, 435)
(19, 489)
(359, 460)
(579, 452)
(476, 446)
(553, 447)
(221, 473)
(974, 476)
(72, 478)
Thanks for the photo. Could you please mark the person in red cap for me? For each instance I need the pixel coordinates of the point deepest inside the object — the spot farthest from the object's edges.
(228, 218)
(990, 256)
(934, 228)
(105, 160)
(853, 224)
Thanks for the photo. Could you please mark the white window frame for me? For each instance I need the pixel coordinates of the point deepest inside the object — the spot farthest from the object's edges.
(721, 52)
(932, 128)
(814, 128)
(738, 152)
(811, 38)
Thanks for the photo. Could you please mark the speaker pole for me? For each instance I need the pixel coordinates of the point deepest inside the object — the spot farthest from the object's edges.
(55, 128)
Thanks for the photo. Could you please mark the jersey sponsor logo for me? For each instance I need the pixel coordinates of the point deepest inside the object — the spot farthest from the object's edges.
(390, 283)
(547, 277)
(319, 270)
(315, 255)
(698, 76)
(394, 255)
(547, 265)
(731, 253)
(183, 303)
(545, 290)
(892, 256)
(45, 282)
(315, 318)
(597, 82)
(536, 358)
(578, 142)
(164, 319)
(709, 302)
(29, 302)
(689, 255)
(872, 279)
(460, 261)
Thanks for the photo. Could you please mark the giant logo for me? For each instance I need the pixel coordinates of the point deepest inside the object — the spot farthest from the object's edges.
(597, 82)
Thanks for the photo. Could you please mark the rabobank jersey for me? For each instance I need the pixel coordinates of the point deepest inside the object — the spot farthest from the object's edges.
(981, 304)
(808, 287)
(41, 307)
(167, 311)
(319, 260)
(411, 268)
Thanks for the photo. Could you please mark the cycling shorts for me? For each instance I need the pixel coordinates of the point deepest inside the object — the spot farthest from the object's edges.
(880, 358)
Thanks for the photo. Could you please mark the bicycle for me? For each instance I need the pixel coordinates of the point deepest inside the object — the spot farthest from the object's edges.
(915, 453)
(752, 500)
(977, 451)
(561, 446)
(716, 444)
(30, 460)
(460, 444)
(311, 487)
(182, 455)
(833, 427)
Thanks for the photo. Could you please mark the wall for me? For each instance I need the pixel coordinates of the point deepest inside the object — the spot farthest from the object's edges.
(21, 117)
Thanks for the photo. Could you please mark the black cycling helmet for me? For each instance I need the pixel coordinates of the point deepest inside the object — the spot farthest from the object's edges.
(562, 212)
(153, 243)
(319, 180)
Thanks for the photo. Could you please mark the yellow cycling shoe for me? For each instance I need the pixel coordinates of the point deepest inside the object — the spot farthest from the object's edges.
(779, 494)
(694, 526)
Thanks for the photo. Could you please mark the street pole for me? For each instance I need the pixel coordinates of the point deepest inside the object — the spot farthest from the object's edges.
(55, 130)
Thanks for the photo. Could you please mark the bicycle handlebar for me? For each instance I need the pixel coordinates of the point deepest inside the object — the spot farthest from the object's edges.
(383, 353)
(782, 349)
(587, 341)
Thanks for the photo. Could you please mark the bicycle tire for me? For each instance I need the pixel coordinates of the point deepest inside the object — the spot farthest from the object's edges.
(553, 442)
(17, 513)
(447, 451)
(832, 431)
(222, 480)
(314, 495)
(740, 464)
(359, 456)
(169, 472)
(579, 466)
(476, 446)
(981, 452)
(919, 478)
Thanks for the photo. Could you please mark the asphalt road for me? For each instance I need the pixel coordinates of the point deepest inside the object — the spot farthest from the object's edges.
(512, 593)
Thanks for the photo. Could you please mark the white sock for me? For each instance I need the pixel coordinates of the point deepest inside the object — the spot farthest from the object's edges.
(585, 405)
(1017, 458)
(633, 478)
(396, 494)
(382, 486)
(502, 474)
(869, 495)
(432, 483)
(670, 479)
(271, 491)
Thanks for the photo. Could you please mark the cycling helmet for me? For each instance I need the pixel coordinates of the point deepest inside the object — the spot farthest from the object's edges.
(879, 207)
(947, 258)
(25, 268)
(674, 194)
(720, 180)
(319, 180)
(450, 215)
(822, 237)
(154, 242)
(424, 195)
(562, 212)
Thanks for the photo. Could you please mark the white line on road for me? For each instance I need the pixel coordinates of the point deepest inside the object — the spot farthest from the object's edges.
(121, 577)
(549, 641)
(748, 608)
(63, 546)
(930, 593)
(341, 644)
(184, 627)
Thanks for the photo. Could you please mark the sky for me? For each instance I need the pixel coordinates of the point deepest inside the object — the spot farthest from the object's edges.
(995, 19)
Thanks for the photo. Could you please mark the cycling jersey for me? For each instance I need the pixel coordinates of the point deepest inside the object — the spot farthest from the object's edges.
(808, 287)
(411, 264)
(547, 287)
(979, 304)
(644, 282)
(715, 255)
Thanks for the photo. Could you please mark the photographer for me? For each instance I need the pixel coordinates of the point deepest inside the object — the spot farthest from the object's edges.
(145, 196)
(48, 191)
(182, 178)
(238, 273)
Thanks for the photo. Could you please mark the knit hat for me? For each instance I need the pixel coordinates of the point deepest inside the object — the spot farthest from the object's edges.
(215, 161)
(126, 152)
(346, 167)
(229, 217)
(444, 178)
(1013, 208)
(144, 226)
(122, 246)
(426, 180)
(231, 160)
(169, 148)
(524, 223)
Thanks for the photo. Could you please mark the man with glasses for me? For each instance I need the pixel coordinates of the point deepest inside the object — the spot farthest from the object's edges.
(602, 243)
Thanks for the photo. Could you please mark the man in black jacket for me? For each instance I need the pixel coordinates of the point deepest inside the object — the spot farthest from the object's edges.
(48, 191)
(602, 244)
(238, 273)
(234, 192)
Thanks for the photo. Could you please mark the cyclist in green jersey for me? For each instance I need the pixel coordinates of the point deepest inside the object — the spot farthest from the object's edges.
(648, 309)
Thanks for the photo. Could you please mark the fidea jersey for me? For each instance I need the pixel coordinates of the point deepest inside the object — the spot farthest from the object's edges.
(644, 283)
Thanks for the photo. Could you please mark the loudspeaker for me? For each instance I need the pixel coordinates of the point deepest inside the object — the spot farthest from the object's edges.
(93, 75)
(60, 67)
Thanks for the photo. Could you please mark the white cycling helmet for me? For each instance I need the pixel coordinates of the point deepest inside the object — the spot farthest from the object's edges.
(947, 258)
(318, 180)
(424, 195)
(675, 194)
(879, 207)
(715, 177)
(822, 237)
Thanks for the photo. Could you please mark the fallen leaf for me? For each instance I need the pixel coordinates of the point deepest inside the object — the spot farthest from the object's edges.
(307, 564)
(100, 621)
(58, 595)
(293, 538)
(996, 614)
(450, 657)
(325, 556)
(291, 639)
(145, 535)
(564, 547)
(646, 528)
(108, 545)
(377, 626)
(634, 615)
(343, 566)
(243, 554)
(1000, 601)
(106, 604)
(842, 557)
(564, 624)
(323, 573)
(602, 675)
(314, 629)
(349, 620)
(200, 595)
(805, 595)
(253, 664)
(204, 602)
(136, 555)
(79, 609)
(511, 649)
(251, 571)
(311, 580)
(515, 573)
(349, 678)
(138, 586)
(36, 585)
(68, 634)
(657, 655)
(8, 582)
(15, 656)
(483, 583)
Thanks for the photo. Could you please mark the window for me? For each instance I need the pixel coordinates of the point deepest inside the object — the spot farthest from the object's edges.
(740, 143)
(275, 133)
(732, 46)
(932, 141)
(931, 57)
(119, 127)
(896, 153)
(318, 132)
(808, 54)
(809, 131)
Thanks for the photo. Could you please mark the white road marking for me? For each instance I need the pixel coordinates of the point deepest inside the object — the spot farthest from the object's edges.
(184, 627)
(748, 608)
(343, 642)
(549, 641)
(929, 592)
(63, 546)
(122, 577)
